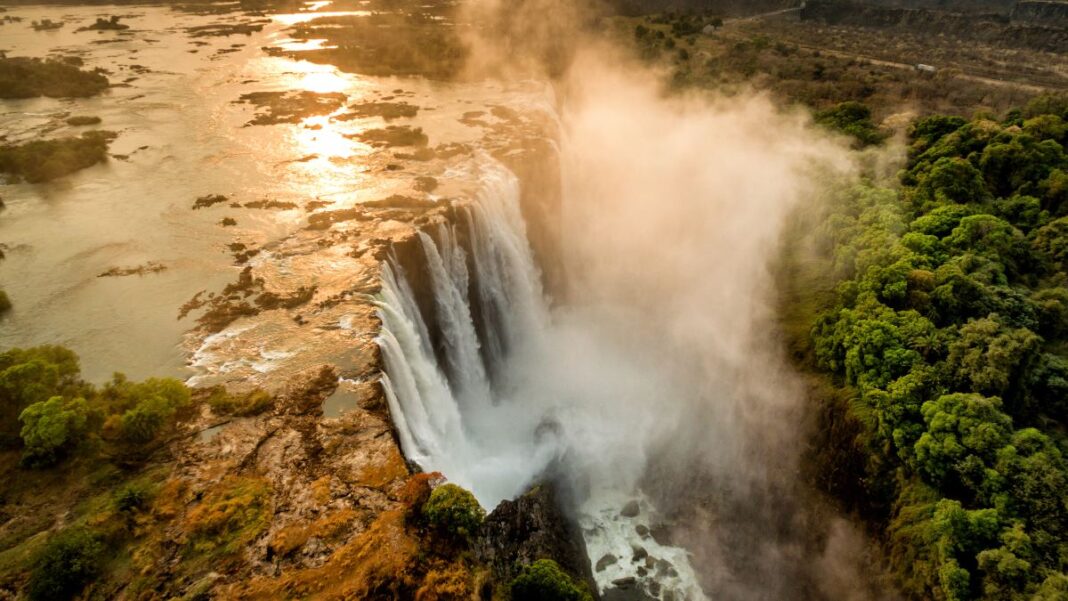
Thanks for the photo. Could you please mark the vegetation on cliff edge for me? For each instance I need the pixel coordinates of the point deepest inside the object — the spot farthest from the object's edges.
(948, 328)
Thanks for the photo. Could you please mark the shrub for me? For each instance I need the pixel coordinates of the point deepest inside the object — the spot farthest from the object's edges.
(543, 580)
(52, 428)
(131, 497)
(152, 404)
(249, 403)
(5, 303)
(454, 510)
(65, 565)
(230, 515)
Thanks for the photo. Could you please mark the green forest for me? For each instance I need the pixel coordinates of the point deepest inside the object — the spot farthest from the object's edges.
(945, 329)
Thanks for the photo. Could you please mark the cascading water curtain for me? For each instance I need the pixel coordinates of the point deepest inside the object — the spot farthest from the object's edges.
(473, 416)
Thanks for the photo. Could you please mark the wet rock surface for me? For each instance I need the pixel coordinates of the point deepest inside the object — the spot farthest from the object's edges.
(532, 527)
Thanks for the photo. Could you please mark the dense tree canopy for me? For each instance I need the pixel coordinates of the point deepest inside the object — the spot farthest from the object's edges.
(950, 326)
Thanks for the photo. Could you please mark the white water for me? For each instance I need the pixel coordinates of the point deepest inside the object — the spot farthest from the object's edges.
(500, 411)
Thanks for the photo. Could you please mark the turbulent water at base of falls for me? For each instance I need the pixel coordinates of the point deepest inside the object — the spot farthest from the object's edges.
(480, 417)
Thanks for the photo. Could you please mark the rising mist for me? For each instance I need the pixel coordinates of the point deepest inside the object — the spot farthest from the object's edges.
(656, 377)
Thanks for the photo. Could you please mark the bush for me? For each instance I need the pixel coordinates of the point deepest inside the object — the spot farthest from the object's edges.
(131, 497)
(454, 510)
(229, 516)
(543, 580)
(5, 303)
(50, 429)
(241, 405)
(146, 407)
(69, 561)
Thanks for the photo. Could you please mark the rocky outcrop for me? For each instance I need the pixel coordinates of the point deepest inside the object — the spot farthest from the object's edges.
(530, 528)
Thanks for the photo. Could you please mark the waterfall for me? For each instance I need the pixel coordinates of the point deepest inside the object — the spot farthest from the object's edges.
(501, 407)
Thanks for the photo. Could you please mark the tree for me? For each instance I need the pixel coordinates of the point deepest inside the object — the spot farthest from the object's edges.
(52, 428)
(1035, 478)
(991, 237)
(991, 358)
(153, 403)
(941, 220)
(32, 375)
(951, 180)
(852, 119)
(1019, 164)
(964, 433)
(1051, 242)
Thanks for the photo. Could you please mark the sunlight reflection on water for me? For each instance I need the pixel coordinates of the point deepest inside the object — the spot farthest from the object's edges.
(295, 18)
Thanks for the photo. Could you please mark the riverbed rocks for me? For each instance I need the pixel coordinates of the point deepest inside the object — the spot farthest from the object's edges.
(291, 106)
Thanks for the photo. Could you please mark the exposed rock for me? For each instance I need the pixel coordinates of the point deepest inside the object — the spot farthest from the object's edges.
(150, 267)
(208, 200)
(290, 107)
(387, 110)
(605, 561)
(630, 510)
(394, 135)
(533, 527)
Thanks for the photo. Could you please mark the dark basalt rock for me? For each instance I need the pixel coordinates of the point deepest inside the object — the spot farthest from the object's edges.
(532, 527)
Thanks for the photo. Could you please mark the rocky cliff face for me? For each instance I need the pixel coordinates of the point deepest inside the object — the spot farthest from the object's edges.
(529, 528)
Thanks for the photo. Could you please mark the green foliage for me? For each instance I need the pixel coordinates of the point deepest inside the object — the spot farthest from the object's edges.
(853, 119)
(543, 580)
(131, 497)
(52, 428)
(22, 77)
(33, 375)
(50, 410)
(69, 561)
(964, 433)
(951, 324)
(454, 510)
(990, 358)
(43, 160)
(145, 408)
(951, 180)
